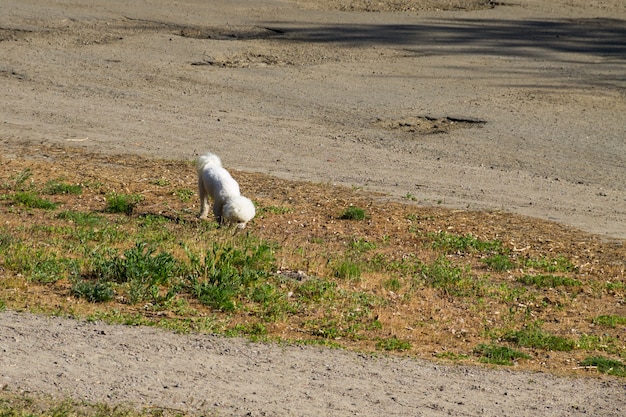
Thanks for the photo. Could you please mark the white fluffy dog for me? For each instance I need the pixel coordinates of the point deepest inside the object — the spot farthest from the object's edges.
(229, 206)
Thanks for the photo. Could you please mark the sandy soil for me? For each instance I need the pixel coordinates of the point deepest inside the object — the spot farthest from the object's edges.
(205, 375)
(516, 107)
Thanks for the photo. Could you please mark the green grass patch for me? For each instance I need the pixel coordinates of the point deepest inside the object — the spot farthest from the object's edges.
(534, 337)
(547, 264)
(31, 199)
(353, 213)
(606, 365)
(611, 321)
(498, 355)
(452, 243)
(393, 344)
(499, 262)
(122, 203)
(58, 187)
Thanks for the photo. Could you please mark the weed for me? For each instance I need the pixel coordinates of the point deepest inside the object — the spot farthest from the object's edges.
(274, 210)
(80, 218)
(161, 182)
(558, 264)
(548, 281)
(393, 343)
(392, 284)
(315, 290)
(498, 355)
(19, 180)
(361, 245)
(606, 365)
(32, 200)
(94, 292)
(227, 270)
(534, 337)
(499, 262)
(451, 243)
(184, 195)
(609, 320)
(353, 213)
(347, 270)
(57, 187)
(604, 343)
(122, 203)
(452, 280)
(139, 268)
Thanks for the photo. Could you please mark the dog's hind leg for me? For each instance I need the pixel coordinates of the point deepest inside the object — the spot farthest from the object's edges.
(204, 199)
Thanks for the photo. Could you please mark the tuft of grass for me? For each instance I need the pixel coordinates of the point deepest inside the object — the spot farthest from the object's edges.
(609, 320)
(534, 337)
(347, 270)
(353, 213)
(558, 264)
(452, 280)
(30, 199)
(143, 271)
(393, 343)
(499, 262)
(498, 355)
(392, 284)
(451, 243)
(606, 365)
(227, 270)
(548, 281)
(94, 292)
(184, 195)
(122, 203)
(80, 218)
(58, 187)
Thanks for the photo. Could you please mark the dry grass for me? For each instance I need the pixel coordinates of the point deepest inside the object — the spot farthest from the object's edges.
(390, 301)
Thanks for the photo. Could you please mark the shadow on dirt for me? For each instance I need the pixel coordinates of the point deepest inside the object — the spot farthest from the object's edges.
(600, 37)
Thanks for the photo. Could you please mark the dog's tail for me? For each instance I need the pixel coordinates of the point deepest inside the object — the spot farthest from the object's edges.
(208, 160)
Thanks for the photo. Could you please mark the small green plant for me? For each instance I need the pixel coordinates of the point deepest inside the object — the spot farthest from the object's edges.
(122, 203)
(353, 213)
(534, 337)
(452, 243)
(347, 270)
(274, 210)
(499, 262)
(393, 343)
(609, 320)
(498, 355)
(361, 245)
(32, 200)
(161, 182)
(140, 268)
(57, 187)
(452, 280)
(392, 284)
(184, 195)
(19, 180)
(80, 218)
(558, 264)
(548, 281)
(93, 291)
(605, 365)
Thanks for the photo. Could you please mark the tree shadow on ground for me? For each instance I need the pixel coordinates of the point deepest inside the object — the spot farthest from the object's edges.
(531, 38)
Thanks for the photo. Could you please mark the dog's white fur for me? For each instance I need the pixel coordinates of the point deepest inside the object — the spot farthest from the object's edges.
(229, 206)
